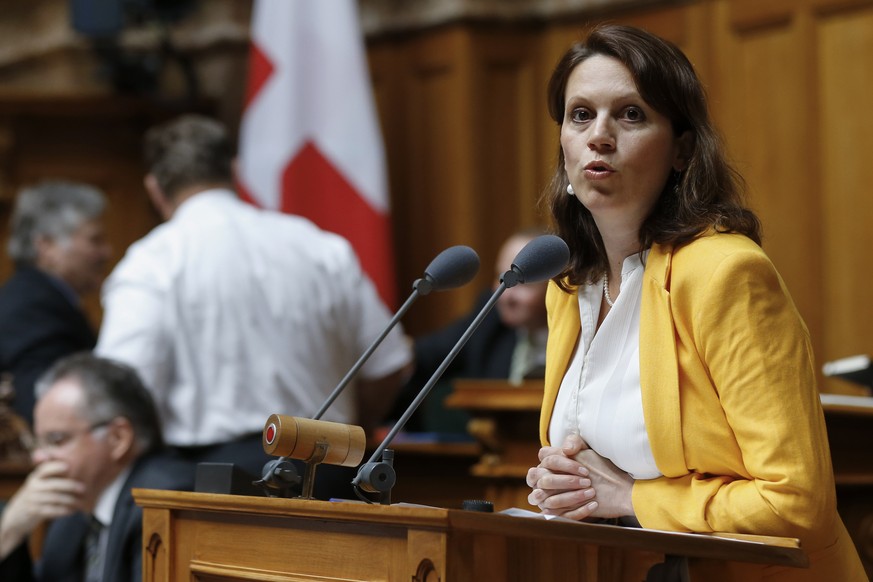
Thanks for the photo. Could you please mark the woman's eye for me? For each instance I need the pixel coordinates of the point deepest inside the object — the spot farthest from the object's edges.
(634, 114)
(580, 115)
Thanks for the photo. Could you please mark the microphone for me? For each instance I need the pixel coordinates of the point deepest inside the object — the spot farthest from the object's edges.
(542, 258)
(309, 439)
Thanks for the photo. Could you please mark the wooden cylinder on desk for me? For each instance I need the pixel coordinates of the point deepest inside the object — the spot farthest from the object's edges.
(298, 438)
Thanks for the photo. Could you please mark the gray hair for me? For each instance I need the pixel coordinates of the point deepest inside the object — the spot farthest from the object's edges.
(53, 210)
(112, 389)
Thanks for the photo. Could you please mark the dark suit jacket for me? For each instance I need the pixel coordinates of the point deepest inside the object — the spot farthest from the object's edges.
(38, 325)
(63, 547)
(487, 354)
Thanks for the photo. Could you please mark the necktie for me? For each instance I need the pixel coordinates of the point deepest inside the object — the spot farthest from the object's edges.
(520, 358)
(94, 552)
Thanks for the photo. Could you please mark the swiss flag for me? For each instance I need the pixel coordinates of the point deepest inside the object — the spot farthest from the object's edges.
(309, 140)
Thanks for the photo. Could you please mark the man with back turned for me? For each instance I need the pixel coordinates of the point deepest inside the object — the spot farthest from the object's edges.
(232, 313)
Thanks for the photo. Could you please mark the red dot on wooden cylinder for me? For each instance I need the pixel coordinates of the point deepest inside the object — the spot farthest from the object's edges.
(271, 433)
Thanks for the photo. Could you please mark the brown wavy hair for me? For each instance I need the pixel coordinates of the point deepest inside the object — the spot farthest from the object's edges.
(706, 195)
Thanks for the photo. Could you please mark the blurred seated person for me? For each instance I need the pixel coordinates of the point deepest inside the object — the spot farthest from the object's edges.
(510, 344)
(60, 252)
(97, 437)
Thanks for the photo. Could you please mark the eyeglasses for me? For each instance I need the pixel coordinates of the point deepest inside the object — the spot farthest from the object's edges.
(57, 439)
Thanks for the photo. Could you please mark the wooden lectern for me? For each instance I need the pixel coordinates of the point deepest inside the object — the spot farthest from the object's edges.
(211, 537)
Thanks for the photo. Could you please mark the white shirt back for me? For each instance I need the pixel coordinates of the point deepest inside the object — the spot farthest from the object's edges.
(231, 313)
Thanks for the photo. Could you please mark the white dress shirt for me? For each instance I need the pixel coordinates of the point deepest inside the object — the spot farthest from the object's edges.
(231, 313)
(600, 397)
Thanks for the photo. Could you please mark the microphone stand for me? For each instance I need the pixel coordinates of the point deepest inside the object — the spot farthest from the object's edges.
(542, 258)
(379, 477)
(366, 355)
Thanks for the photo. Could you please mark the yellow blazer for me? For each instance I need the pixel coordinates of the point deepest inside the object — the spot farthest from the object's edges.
(730, 404)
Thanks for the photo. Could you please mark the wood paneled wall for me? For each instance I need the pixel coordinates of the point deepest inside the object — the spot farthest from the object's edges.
(788, 75)
(460, 120)
(470, 145)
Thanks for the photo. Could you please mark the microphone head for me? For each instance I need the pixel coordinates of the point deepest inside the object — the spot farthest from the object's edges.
(452, 268)
(539, 260)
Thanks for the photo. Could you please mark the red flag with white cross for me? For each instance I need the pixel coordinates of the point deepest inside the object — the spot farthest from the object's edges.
(310, 142)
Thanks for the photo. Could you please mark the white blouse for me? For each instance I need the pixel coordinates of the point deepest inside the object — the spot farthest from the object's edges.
(600, 397)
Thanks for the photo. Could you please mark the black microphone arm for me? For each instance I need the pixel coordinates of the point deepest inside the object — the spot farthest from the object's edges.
(452, 268)
(542, 258)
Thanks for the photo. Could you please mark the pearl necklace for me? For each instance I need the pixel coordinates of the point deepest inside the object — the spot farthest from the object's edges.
(606, 290)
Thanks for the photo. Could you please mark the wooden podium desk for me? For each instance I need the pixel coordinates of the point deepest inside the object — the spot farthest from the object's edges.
(850, 433)
(505, 421)
(436, 473)
(210, 537)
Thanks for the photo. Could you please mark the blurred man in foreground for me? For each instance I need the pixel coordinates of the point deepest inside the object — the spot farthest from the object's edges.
(97, 437)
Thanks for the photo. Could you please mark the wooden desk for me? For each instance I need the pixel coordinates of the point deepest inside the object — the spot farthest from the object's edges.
(437, 474)
(850, 433)
(506, 423)
(198, 536)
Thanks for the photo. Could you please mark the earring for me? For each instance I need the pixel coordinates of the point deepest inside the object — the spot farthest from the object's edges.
(570, 190)
(677, 179)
